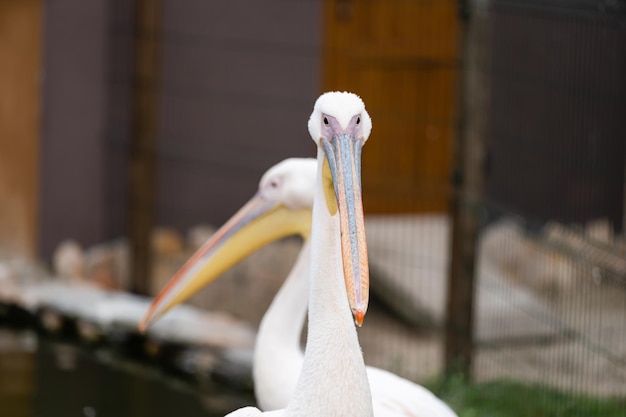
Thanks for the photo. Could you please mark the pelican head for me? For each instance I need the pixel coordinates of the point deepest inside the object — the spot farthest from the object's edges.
(339, 112)
(281, 207)
(340, 126)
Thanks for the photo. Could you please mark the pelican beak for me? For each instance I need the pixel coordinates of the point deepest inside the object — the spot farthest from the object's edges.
(343, 161)
(258, 223)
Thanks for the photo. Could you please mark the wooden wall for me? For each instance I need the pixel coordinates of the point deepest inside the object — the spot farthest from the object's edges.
(75, 104)
(20, 46)
(402, 58)
(239, 81)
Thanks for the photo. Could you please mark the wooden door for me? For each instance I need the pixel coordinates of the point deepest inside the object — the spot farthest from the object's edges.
(20, 50)
(401, 57)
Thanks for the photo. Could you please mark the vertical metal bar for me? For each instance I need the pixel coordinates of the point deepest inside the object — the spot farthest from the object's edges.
(146, 80)
(468, 188)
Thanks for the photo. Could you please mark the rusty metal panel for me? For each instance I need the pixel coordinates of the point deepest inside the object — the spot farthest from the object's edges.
(557, 147)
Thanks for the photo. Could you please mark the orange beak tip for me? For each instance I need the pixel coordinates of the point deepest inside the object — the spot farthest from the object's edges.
(143, 326)
(359, 315)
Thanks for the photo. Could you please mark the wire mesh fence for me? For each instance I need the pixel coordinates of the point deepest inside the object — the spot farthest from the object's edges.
(530, 294)
(550, 279)
(550, 289)
(556, 317)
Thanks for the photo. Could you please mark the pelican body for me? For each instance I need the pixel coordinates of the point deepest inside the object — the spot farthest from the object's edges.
(332, 381)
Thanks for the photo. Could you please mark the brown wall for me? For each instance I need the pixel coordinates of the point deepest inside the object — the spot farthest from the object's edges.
(20, 45)
(74, 116)
(239, 81)
(557, 148)
(402, 58)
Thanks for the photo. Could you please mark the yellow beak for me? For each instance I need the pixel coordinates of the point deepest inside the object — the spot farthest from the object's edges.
(258, 223)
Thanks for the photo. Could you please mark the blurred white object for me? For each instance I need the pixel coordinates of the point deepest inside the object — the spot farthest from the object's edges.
(68, 261)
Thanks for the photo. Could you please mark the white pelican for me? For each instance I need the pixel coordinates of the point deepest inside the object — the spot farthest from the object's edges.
(278, 357)
(333, 380)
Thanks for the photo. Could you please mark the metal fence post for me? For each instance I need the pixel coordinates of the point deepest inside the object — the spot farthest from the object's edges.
(468, 188)
(146, 83)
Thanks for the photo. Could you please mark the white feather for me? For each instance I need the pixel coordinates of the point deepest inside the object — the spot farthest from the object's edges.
(342, 106)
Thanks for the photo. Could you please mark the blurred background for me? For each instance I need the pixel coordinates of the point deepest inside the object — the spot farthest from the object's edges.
(493, 188)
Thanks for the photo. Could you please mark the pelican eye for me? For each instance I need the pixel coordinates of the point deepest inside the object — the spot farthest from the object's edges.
(325, 121)
(358, 120)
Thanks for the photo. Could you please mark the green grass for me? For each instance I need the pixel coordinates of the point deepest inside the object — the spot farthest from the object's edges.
(512, 399)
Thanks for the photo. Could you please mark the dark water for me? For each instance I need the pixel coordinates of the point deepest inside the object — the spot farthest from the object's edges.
(41, 378)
